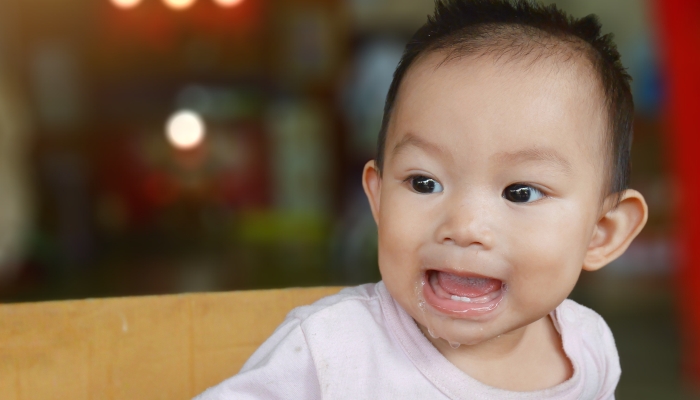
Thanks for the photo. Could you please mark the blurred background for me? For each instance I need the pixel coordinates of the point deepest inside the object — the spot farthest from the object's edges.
(170, 146)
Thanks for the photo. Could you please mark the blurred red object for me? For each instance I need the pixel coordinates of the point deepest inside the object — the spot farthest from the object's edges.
(679, 23)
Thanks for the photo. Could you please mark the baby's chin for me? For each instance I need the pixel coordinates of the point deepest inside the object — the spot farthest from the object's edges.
(454, 331)
(439, 327)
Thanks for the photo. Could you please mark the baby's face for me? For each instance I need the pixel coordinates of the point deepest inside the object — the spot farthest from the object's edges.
(490, 194)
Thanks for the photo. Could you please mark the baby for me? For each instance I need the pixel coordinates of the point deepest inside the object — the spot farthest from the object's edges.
(501, 173)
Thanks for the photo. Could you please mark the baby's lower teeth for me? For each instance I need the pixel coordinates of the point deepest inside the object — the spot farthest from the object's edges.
(458, 298)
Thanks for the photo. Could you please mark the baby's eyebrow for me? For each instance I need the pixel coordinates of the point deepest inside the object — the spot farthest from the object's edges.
(412, 140)
(535, 154)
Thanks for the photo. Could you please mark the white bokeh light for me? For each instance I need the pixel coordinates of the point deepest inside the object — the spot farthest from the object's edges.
(125, 3)
(228, 3)
(185, 130)
(178, 4)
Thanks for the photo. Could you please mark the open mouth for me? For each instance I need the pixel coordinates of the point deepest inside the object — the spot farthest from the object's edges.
(462, 295)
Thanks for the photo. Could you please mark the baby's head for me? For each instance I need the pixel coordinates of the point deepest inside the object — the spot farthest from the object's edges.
(502, 167)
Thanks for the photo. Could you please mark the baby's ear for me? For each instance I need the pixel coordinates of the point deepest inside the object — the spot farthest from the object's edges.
(372, 182)
(615, 230)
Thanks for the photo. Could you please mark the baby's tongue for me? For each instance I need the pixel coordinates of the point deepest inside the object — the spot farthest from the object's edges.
(467, 286)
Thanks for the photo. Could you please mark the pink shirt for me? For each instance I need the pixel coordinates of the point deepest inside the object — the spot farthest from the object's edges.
(360, 344)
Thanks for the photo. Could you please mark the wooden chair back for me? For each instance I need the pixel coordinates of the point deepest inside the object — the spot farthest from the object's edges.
(155, 347)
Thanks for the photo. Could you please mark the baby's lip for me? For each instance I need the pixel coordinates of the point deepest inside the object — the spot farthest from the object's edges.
(462, 294)
(462, 274)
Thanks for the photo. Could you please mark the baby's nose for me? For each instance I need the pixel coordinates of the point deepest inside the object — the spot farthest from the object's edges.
(466, 225)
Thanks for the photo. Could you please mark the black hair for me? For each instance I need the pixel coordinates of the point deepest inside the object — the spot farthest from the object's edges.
(517, 28)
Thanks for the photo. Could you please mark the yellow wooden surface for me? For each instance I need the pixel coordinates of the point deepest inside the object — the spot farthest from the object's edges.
(158, 347)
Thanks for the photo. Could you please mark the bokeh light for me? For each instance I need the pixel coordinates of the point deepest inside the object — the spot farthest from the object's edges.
(185, 130)
(125, 3)
(179, 4)
(228, 3)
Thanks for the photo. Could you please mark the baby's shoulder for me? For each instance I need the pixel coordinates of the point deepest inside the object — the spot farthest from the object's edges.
(574, 316)
(347, 307)
(589, 344)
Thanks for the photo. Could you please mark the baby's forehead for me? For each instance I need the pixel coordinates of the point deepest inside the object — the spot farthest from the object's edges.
(486, 94)
(571, 66)
(503, 76)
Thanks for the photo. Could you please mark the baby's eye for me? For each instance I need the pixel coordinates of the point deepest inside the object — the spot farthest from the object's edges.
(519, 193)
(423, 184)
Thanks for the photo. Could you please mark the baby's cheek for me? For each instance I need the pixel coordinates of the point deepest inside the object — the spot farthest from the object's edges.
(547, 266)
(398, 239)
(396, 262)
(392, 249)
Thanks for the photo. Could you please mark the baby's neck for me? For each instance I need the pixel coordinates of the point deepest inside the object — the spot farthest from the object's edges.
(529, 358)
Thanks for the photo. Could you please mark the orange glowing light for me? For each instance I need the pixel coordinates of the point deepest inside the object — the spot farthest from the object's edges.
(228, 3)
(185, 130)
(125, 4)
(179, 4)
